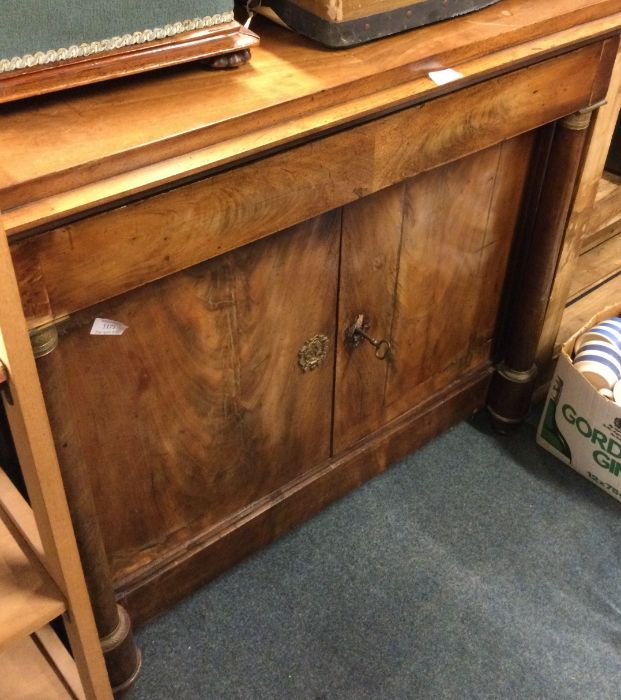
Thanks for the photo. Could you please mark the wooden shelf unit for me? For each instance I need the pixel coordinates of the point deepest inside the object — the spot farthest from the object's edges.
(41, 576)
(599, 263)
(29, 598)
(605, 219)
(34, 664)
(51, 672)
(596, 282)
(588, 275)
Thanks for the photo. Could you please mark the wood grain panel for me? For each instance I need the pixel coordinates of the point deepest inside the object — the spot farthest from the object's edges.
(200, 408)
(168, 232)
(446, 249)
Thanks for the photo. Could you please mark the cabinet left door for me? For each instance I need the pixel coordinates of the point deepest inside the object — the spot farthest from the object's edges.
(201, 409)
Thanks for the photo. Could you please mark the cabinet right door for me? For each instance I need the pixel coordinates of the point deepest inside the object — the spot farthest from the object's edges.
(424, 263)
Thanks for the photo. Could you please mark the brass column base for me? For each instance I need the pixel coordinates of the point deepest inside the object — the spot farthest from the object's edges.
(122, 656)
(509, 398)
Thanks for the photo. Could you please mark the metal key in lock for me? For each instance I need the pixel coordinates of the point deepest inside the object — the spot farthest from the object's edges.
(356, 334)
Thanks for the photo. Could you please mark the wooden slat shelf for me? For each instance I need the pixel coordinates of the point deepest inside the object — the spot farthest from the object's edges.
(38, 668)
(597, 265)
(29, 598)
(580, 311)
(596, 282)
(595, 220)
(605, 218)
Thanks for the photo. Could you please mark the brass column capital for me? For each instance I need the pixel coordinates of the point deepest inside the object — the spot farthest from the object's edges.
(580, 120)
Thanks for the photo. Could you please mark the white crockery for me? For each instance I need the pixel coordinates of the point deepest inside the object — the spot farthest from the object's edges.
(608, 331)
(601, 349)
(600, 363)
(600, 376)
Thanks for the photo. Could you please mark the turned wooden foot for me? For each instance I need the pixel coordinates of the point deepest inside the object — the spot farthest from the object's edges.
(227, 60)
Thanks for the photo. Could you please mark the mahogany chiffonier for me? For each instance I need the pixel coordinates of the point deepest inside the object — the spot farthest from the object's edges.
(313, 265)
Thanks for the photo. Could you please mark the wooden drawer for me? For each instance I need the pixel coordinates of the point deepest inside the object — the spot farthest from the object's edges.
(78, 265)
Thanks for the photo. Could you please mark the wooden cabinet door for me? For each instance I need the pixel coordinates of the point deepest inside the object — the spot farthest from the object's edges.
(200, 409)
(424, 261)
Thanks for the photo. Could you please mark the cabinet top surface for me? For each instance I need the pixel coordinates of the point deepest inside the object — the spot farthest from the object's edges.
(192, 120)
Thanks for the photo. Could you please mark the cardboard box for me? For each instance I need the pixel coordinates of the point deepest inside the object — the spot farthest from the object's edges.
(578, 425)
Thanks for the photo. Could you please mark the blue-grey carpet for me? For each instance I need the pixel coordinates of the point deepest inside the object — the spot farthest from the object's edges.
(479, 567)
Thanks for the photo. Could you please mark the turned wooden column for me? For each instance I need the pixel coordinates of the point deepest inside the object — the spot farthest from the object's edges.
(514, 381)
(122, 657)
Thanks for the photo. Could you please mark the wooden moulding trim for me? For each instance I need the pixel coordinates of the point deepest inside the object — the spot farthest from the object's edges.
(136, 247)
(209, 554)
(41, 202)
(189, 46)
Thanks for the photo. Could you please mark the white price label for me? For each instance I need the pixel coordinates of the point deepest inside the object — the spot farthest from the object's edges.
(104, 326)
(443, 77)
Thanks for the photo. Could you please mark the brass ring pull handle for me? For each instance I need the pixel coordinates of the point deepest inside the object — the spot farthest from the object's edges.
(356, 334)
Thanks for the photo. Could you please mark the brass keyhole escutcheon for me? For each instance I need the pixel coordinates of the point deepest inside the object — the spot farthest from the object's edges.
(356, 334)
(312, 354)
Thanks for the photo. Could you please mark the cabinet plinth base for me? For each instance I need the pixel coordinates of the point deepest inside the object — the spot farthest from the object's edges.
(164, 583)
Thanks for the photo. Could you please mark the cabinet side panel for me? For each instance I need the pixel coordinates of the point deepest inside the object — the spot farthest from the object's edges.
(200, 408)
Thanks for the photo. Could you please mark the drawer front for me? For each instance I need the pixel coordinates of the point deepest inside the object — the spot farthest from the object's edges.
(86, 262)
